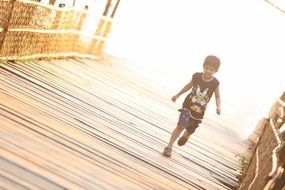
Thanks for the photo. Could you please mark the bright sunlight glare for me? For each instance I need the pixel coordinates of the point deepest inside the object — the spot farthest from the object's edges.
(174, 36)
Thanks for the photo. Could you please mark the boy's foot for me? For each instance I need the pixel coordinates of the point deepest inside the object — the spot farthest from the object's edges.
(182, 141)
(167, 152)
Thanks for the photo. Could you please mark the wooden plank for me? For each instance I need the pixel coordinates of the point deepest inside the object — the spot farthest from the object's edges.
(81, 124)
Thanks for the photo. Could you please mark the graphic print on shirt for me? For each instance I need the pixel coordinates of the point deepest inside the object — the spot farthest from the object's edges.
(199, 98)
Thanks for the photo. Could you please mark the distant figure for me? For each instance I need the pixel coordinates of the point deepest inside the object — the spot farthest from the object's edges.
(282, 97)
(276, 114)
(277, 110)
(203, 85)
(61, 5)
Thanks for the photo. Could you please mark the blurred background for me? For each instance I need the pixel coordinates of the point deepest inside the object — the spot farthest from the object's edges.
(173, 37)
(167, 42)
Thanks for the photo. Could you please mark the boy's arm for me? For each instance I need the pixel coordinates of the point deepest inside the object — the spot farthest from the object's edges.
(218, 100)
(182, 91)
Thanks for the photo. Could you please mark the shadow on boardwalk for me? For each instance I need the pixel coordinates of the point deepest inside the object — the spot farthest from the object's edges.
(82, 124)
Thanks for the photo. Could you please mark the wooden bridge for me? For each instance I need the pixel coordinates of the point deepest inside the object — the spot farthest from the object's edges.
(83, 124)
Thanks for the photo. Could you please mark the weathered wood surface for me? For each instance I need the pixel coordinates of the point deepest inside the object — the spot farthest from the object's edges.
(81, 124)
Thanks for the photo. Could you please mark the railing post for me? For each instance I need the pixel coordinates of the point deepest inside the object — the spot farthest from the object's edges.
(108, 4)
(6, 25)
(115, 9)
(104, 27)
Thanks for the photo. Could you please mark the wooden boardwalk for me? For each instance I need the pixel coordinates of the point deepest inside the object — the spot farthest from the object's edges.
(82, 124)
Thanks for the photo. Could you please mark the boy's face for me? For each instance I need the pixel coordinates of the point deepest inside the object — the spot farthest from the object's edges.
(209, 70)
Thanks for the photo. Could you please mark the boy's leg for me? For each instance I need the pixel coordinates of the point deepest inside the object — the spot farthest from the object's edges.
(194, 124)
(186, 134)
(184, 138)
(175, 134)
(181, 125)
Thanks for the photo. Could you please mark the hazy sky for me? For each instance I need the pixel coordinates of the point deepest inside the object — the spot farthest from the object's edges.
(176, 35)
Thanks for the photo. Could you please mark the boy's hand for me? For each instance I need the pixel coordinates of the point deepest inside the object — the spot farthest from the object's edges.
(174, 98)
(218, 110)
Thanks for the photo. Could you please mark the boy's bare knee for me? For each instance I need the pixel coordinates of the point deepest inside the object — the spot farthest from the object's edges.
(186, 134)
(179, 127)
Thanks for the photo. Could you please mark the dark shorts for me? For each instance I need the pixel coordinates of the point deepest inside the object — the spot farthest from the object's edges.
(188, 122)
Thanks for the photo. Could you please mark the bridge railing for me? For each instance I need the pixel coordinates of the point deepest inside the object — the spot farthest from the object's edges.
(268, 160)
(30, 29)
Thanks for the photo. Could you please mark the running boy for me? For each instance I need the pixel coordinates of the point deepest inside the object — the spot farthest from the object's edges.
(203, 86)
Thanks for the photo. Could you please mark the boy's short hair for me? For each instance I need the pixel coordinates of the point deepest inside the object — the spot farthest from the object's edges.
(213, 61)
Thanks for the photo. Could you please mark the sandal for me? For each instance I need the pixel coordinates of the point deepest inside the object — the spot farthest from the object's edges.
(182, 141)
(167, 152)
